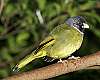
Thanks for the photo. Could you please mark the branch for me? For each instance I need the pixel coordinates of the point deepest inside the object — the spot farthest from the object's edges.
(59, 68)
(1, 6)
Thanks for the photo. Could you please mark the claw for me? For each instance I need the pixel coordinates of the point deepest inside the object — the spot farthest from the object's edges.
(61, 61)
(73, 57)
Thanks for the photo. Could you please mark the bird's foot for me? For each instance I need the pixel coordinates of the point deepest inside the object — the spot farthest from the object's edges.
(61, 61)
(73, 57)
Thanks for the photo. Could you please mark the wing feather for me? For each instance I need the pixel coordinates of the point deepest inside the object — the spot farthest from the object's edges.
(45, 43)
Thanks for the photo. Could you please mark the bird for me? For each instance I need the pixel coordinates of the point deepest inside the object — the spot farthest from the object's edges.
(60, 43)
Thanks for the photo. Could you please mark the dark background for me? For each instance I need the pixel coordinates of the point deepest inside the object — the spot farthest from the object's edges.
(21, 31)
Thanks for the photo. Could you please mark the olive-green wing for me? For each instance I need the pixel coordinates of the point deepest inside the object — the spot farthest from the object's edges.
(39, 52)
(46, 42)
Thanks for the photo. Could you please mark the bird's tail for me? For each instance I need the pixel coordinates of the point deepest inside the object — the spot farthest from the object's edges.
(28, 59)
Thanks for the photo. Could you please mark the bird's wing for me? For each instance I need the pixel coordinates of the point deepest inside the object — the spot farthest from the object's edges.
(46, 42)
(39, 52)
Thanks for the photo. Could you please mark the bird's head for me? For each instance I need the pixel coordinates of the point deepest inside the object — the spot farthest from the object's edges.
(78, 22)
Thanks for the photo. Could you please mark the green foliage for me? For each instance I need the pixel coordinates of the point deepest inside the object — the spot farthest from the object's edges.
(41, 4)
(20, 28)
(22, 37)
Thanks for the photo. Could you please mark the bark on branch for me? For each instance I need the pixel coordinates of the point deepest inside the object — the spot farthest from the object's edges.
(59, 68)
(1, 6)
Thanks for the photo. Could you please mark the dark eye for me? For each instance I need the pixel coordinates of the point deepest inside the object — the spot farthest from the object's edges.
(78, 25)
(75, 25)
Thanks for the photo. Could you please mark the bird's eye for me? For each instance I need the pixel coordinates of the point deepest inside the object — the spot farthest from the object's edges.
(75, 25)
(78, 26)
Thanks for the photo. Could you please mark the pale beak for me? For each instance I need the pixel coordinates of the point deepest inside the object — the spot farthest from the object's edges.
(85, 25)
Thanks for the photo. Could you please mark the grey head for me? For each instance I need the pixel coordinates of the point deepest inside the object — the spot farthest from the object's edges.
(78, 22)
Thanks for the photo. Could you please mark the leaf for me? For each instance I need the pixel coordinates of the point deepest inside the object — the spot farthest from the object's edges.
(22, 37)
(5, 54)
(88, 5)
(52, 10)
(12, 43)
(9, 9)
(1, 29)
(3, 73)
(41, 4)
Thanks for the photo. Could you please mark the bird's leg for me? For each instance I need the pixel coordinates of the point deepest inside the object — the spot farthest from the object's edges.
(60, 60)
(64, 62)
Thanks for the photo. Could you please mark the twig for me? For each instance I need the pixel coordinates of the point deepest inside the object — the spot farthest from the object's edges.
(1, 6)
(59, 68)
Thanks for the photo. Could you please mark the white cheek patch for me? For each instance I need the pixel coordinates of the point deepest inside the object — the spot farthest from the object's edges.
(78, 30)
(85, 25)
